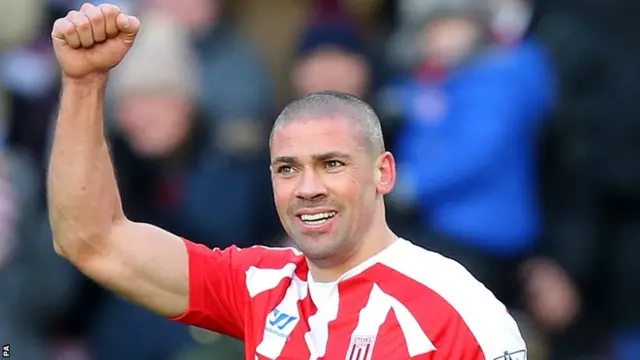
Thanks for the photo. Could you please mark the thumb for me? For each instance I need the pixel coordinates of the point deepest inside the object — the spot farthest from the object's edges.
(128, 25)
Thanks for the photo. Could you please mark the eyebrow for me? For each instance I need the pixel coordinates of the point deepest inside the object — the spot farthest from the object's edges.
(316, 158)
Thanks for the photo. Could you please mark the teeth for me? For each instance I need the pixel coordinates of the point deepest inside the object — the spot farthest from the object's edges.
(317, 218)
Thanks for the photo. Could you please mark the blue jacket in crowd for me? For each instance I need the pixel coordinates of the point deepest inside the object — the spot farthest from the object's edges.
(467, 153)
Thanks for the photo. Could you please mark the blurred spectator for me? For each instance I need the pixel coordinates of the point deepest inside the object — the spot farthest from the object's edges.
(467, 152)
(276, 27)
(470, 34)
(331, 56)
(511, 19)
(237, 90)
(170, 171)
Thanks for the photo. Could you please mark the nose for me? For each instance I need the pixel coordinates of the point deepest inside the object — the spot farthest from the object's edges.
(310, 187)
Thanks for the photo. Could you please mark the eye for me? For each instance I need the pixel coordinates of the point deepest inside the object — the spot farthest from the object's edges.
(285, 169)
(334, 164)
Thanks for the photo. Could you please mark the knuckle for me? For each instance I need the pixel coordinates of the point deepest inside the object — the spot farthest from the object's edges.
(69, 31)
(86, 6)
(59, 23)
(83, 23)
(94, 15)
(66, 28)
(109, 10)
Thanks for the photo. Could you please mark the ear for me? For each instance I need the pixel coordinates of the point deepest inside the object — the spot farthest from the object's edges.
(385, 173)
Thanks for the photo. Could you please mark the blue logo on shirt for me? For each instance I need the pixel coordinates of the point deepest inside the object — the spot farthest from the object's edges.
(278, 322)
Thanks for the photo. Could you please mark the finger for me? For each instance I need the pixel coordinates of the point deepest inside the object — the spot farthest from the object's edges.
(128, 24)
(110, 13)
(86, 6)
(96, 18)
(83, 27)
(65, 31)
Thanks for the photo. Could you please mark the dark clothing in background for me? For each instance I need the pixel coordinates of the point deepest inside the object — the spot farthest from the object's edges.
(236, 86)
(200, 194)
(37, 285)
(590, 167)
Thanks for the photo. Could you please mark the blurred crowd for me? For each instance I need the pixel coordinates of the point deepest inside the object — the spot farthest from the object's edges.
(515, 125)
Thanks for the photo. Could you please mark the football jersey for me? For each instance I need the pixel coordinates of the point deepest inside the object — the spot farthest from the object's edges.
(403, 303)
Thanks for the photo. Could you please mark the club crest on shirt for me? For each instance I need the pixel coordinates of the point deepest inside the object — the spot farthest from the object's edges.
(361, 347)
(515, 355)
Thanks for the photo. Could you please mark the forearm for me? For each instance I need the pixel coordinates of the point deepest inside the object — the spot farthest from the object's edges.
(84, 202)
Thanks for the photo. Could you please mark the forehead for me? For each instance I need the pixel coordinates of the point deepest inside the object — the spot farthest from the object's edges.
(306, 137)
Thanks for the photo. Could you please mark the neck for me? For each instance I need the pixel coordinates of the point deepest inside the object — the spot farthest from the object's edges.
(377, 238)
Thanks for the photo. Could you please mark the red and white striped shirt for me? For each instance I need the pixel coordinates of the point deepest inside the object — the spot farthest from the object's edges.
(404, 303)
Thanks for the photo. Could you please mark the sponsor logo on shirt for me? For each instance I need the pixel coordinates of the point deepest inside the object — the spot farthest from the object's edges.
(361, 347)
(516, 355)
(278, 323)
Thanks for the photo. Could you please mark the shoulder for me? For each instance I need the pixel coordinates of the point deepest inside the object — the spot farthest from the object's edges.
(452, 295)
(444, 276)
(427, 267)
(266, 257)
(258, 256)
(270, 266)
(261, 267)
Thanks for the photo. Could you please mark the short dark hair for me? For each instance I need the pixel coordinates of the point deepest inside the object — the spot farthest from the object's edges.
(335, 104)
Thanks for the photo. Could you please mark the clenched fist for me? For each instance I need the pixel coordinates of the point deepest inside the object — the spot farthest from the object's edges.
(93, 40)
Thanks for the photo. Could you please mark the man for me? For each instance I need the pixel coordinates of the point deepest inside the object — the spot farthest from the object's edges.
(355, 291)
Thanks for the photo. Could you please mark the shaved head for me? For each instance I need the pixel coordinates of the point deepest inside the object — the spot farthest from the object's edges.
(331, 105)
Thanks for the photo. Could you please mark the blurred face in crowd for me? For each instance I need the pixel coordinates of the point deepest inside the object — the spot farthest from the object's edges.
(327, 186)
(512, 19)
(331, 69)
(155, 124)
(449, 40)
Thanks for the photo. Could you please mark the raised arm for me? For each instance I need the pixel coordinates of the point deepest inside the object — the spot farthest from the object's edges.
(143, 263)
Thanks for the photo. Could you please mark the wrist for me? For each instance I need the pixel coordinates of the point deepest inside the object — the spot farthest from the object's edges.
(91, 82)
(81, 88)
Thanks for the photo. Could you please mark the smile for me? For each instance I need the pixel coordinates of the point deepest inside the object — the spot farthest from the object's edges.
(317, 219)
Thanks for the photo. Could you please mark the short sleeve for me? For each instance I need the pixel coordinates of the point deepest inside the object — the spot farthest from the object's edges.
(217, 293)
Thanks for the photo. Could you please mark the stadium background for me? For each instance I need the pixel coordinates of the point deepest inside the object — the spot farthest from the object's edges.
(515, 124)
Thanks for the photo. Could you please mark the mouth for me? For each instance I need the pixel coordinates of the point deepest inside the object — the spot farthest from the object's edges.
(317, 218)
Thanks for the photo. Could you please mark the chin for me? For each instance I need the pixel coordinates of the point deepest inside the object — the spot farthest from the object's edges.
(319, 255)
(318, 247)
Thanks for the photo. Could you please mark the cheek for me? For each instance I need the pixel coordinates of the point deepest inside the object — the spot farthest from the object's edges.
(282, 194)
(347, 187)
